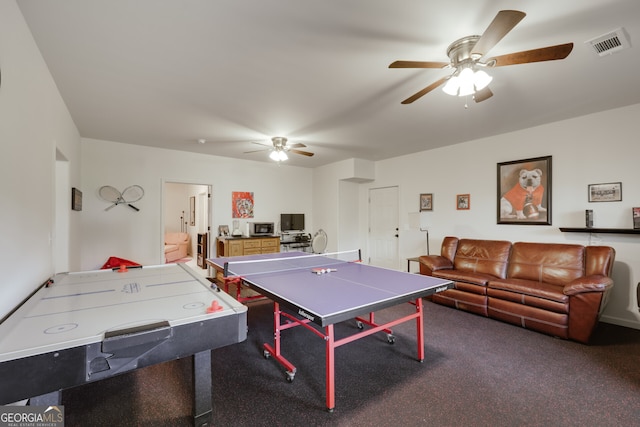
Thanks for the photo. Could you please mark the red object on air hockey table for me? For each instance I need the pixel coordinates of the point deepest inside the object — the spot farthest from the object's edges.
(115, 262)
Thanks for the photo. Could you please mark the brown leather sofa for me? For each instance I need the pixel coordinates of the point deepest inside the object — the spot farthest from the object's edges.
(557, 289)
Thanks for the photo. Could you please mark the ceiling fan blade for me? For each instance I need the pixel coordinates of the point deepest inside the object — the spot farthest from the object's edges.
(482, 95)
(296, 145)
(262, 143)
(304, 153)
(254, 151)
(504, 22)
(424, 91)
(418, 64)
(550, 53)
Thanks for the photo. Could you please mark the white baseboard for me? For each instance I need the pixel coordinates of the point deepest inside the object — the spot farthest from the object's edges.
(634, 324)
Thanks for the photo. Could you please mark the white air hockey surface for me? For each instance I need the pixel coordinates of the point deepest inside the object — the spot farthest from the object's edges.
(79, 308)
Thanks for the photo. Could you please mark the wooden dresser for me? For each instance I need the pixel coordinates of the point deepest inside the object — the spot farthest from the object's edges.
(236, 246)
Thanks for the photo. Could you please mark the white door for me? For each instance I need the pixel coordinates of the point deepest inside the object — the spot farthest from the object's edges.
(383, 227)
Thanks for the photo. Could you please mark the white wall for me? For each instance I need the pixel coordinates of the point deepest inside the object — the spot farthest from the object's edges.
(34, 122)
(336, 207)
(593, 149)
(137, 236)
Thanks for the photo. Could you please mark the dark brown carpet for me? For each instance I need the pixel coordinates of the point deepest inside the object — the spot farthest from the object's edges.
(477, 372)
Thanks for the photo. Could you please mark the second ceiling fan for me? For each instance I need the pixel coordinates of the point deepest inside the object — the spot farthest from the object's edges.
(279, 148)
(467, 54)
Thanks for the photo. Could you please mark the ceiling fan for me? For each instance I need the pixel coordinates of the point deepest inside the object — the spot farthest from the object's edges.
(467, 54)
(279, 149)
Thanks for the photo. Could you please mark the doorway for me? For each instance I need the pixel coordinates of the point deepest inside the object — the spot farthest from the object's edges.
(383, 227)
(187, 209)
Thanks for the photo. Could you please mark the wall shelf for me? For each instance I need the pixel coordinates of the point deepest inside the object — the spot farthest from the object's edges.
(202, 248)
(600, 230)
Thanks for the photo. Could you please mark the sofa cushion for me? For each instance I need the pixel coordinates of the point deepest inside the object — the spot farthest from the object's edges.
(464, 276)
(599, 260)
(556, 264)
(529, 288)
(462, 300)
(170, 248)
(449, 247)
(175, 238)
(483, 256)
(552, 323)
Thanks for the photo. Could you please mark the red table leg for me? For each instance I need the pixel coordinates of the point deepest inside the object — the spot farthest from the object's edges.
(331, 344)
(275, 350)
(420, 329)
(330, 368)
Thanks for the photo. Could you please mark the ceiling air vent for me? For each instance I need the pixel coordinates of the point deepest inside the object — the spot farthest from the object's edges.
(611, 42)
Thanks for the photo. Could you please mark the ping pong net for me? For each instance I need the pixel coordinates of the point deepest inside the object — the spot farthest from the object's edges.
(283, 262)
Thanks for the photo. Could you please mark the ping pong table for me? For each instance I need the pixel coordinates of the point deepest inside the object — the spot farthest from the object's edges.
(318, 291)
(87, 326)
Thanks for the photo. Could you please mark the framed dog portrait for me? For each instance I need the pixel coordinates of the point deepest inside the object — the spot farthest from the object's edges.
(524, 191)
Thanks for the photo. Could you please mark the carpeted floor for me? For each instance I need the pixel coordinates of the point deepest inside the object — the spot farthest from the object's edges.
(477, 372)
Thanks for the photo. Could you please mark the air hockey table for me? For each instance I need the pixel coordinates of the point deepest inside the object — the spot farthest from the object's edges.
(83, 327)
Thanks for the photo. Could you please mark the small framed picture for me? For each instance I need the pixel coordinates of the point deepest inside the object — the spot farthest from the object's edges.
(610, 192)
(463, 201)
(636, 218)
(223, 230)
(76, 199)
(192, 210)
(426, 202)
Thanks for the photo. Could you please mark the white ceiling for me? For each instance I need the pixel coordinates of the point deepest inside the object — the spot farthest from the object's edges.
(166, 73)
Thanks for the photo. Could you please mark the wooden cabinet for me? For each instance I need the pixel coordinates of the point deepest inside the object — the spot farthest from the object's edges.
(238, 246)
(270, 246)
(232, 248)
(201, 248)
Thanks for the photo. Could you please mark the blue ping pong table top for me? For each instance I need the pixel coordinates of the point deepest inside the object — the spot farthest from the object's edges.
(353, 289)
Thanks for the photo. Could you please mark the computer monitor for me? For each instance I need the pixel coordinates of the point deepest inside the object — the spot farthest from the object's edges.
(291, 222)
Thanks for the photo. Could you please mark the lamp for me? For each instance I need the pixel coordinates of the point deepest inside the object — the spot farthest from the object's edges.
(278, 155)
(466, 81)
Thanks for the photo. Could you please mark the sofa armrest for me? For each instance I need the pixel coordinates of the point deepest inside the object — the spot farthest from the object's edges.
(431, 263)
(593, 283)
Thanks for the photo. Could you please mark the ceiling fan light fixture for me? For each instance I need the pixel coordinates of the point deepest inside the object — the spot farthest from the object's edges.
(467, 82)
(452, 86)
(481, 79)
(278, 155)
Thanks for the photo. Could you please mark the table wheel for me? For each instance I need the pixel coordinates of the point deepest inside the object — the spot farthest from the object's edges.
(290, 376)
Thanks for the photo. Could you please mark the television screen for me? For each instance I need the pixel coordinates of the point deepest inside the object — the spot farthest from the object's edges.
(292, 222)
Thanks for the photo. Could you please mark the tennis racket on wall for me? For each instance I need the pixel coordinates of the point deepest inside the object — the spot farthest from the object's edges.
(130, 195)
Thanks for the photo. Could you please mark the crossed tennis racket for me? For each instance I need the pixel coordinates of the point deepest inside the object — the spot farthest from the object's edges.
(129, 195)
